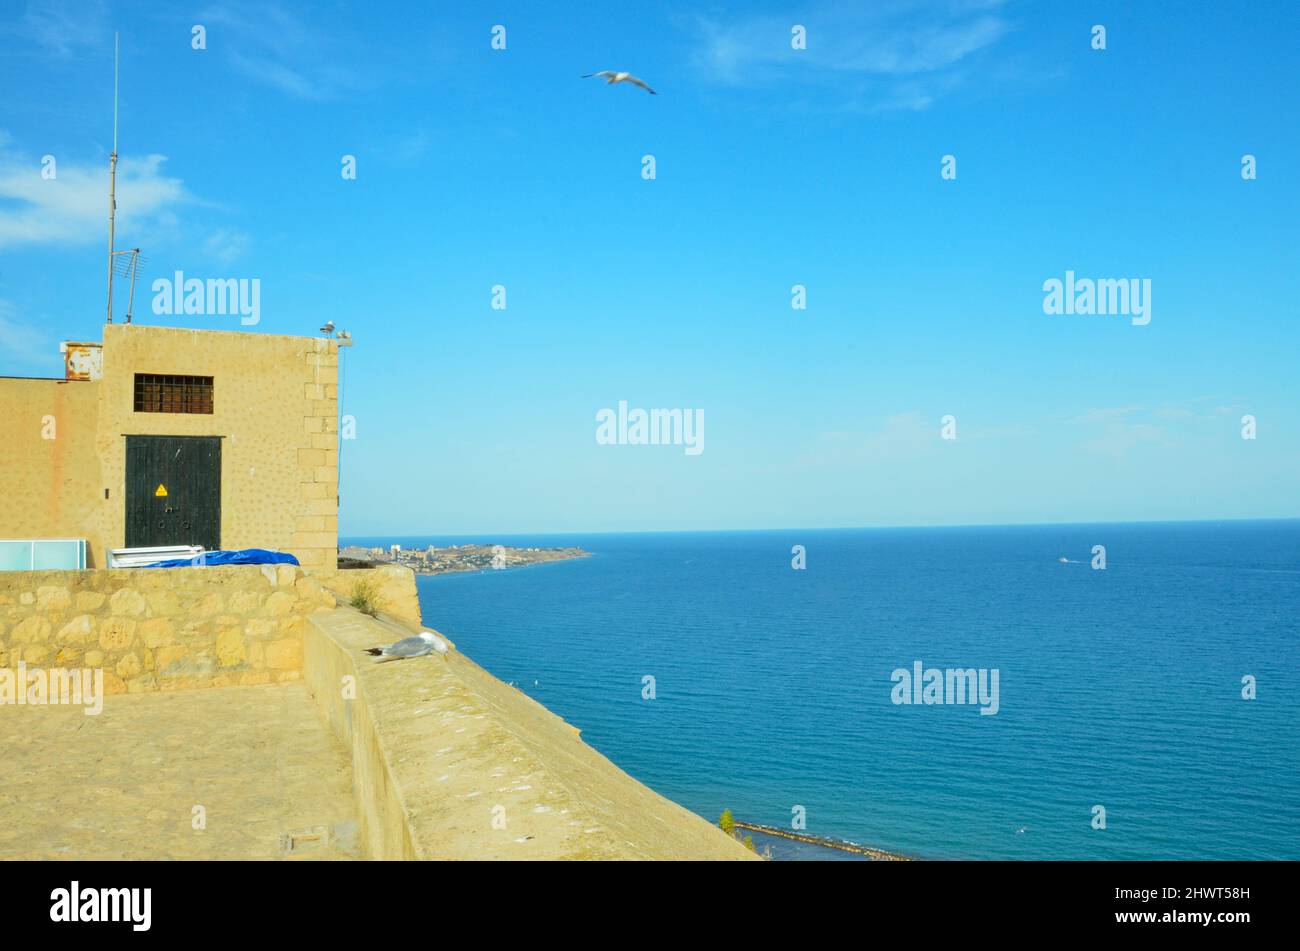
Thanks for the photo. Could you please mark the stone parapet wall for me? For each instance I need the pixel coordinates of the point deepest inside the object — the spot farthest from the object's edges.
(392, 587)
(162, 628)
(449, 763)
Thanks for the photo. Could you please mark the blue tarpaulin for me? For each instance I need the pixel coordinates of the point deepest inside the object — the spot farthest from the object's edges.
(245, 556)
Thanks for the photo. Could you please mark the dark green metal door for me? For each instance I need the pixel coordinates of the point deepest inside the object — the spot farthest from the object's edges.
(173, 491)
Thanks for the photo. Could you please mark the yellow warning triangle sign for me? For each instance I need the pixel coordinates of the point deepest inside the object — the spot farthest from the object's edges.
(161, 491)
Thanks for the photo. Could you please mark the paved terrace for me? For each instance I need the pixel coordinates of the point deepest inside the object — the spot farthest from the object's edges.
(275, 783)
(340, 758)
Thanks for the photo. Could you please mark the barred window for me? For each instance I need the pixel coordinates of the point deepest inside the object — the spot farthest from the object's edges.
(158, 393)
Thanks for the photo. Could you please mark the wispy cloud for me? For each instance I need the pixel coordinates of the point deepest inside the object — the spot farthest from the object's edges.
(1184, 410)
(274, 47)
(63, 26)
(892, 54)
(1118, 430)
(1106, 413)
(899, 438)
(73, 206)
(410, 148)
(226, 245)
(1120, 437)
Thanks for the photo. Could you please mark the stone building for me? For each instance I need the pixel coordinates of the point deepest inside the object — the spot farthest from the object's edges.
(168, 436)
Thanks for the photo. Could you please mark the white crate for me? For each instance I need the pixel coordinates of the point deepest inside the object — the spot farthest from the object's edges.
(139, 557)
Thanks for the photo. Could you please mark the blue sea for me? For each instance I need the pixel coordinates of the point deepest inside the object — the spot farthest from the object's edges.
(1120, 688)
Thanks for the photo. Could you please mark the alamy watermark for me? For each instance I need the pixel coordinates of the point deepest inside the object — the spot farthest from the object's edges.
(1103, 297)
(55, 687)
(215, 297)
(922, 685)
(655, 427)
(73, 904)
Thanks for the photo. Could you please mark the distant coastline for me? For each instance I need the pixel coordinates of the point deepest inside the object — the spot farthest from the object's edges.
(437, 561)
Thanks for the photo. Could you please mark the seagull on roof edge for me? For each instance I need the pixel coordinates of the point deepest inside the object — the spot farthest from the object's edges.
(426, 642)
(621, 77)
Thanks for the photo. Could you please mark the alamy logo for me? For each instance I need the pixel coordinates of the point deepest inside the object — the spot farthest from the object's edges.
(215, 297)
(103, 904)
(55, 687)
(949, 686)
(656, 427)
(1104, 297)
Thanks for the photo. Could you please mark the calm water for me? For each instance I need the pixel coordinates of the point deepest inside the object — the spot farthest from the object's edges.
(1119, 687)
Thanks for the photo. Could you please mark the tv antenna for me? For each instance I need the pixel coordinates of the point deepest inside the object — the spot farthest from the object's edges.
(127, 264)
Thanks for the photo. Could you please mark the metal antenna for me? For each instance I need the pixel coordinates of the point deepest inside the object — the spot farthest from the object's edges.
(128, 264)
(135, 266)
(112, 185)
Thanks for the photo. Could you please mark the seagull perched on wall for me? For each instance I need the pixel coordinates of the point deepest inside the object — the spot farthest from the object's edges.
(426, 642)
(614, 77)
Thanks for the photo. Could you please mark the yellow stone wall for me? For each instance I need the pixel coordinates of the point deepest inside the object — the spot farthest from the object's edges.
(392, 586)
(275, 401)
(49, 487)
(162, 628)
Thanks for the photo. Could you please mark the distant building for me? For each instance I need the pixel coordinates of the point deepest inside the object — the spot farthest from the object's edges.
(167, 436)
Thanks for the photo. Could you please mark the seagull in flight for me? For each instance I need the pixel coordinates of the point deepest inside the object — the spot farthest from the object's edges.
(620, 77)
(426, 642)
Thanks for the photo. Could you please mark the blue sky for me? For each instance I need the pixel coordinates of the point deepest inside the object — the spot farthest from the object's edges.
(774, 167)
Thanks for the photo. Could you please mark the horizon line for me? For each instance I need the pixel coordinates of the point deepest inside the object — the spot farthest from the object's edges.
(827, 528)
